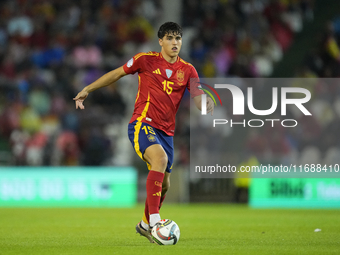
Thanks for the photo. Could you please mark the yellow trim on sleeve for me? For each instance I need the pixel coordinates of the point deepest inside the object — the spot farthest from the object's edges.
(185, 62)
(146, 54)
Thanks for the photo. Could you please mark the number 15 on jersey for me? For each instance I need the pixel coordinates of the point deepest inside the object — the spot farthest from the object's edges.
(167, 88)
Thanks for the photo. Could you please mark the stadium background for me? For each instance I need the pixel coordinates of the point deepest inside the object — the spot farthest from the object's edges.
(50, 50)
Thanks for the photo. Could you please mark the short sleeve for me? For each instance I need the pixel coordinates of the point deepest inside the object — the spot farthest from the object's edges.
(134, 65)
(194, 83)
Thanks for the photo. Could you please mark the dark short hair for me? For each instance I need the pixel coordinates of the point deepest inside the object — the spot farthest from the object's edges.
(169, 28)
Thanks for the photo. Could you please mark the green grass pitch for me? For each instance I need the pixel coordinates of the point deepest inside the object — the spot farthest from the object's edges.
(205, 229)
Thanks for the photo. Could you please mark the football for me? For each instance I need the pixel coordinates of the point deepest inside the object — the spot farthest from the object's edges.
(165, 232)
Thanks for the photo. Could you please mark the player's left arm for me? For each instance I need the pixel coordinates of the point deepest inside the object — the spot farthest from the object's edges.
(106, 80)
(210, 104)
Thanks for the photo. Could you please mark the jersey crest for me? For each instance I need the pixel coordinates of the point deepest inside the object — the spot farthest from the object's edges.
(168, 72)
(180, 75)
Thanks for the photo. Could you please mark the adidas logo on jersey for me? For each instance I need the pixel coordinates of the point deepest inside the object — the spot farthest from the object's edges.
(158, 194)
(157, 71)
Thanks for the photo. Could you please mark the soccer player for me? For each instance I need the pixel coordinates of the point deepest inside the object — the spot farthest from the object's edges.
(162, 80)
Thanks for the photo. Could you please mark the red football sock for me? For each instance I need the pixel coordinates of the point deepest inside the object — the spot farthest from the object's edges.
(154, 190)
(161, 202)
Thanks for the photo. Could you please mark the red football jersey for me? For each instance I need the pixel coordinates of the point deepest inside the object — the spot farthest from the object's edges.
(161, 86)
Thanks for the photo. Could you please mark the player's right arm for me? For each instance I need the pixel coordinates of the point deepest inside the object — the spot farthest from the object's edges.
(106, 80)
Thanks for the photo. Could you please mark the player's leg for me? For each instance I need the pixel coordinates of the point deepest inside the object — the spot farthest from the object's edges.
(148, 144)
(143, 139)
(158, 160)
(143, 226)
(168, 146)
(165, 188)
(156, 157)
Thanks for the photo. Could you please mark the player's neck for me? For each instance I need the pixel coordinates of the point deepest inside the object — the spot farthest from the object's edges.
(168, 58)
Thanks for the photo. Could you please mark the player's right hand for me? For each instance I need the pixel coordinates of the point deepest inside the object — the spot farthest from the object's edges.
(79, 99)
(210, 106)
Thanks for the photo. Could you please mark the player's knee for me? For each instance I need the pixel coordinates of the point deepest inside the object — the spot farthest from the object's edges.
(160, 161)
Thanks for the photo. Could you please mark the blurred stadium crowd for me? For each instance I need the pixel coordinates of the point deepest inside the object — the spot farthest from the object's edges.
(51, 49)
(243, 38)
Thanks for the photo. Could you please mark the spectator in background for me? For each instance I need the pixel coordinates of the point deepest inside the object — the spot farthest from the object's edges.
(20, 25)
(87, 55)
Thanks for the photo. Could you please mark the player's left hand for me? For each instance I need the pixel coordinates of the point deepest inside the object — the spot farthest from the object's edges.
(210, 106)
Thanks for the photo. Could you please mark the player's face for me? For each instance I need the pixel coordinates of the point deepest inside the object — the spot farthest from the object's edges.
(171, 44)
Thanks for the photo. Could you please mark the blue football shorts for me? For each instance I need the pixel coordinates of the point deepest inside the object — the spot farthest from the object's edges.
(142, 135)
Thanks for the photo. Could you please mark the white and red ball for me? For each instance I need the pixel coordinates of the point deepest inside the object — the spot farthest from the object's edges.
(165, 232)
